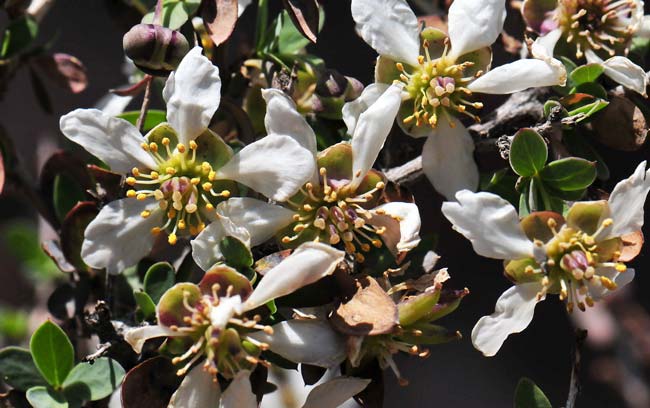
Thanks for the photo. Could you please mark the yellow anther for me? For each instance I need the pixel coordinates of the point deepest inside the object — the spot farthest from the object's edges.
(225, 193)
(212, 175)
(172, 239)
(153, 147)
(400, 66)
(181, 148)
(170, 170)
(195, 181)
(154, 175)
(307, 207)
(131, 193)
(620, 267)
(380, 185)
(608, 283)
(135, 171)
(165, 141)
(177, 205)
(177, 196)
(141, 196)
(377, 243)
(421, 59)
(286, 240)
(209, 207)
(145, 214)
(171, 213)
(181, 224)
(158, 195)
(193, 145)
(144, 146)
(205, 167)
(607, 223)
(359, 257)
(131, 181)
(191, 208)
(155, 230)
(529, 270)
(207, 186)
(201, 226)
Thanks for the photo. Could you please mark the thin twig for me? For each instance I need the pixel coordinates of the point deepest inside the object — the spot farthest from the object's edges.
(574, 386)
(145, 104)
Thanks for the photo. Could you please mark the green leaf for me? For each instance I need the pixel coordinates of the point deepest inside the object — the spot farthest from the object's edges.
(52, 353)
(18, 370)
(154, 118)
(569, 174)
(160, 277)
(591, 88)
(174, 13)
(101, 377)
(146, 306)
(45, 397)
(529, 395)
(67, 193)
(589, 109)
(586, 73)
(290, 40)
(236, 253)
(18, 36)
(528, 153)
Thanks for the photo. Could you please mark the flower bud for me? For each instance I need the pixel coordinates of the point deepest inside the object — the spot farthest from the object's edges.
(155, 49)
(331, 84)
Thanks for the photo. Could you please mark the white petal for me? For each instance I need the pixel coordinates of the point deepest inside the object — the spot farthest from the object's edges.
(119, 237)
(196, 390)
(112, 104)
(623, 71)
(352, 110)
(402, 222)
(519, 75)
(621, 279)
(475, 24)
(335, 392)
(644, 27)
(490, 223)
(371, 132)
(136, 337)
(227, 308)
(261, 219)
(544, 46)
(295, 340)
(512, 314)
(205, 247)
(388, 26)
(448, 159)
(276, 166)
(307, 264)
(282, 118)
(238, 394)
(193, 94)
(627, 200)
(241, 6)
(115, 141)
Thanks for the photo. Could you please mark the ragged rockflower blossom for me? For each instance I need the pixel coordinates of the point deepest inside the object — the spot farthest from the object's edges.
(580, 257)
(342, 203)
(600, 31)
(218, 323)
(179, 171)
(440, 75)
(381, 319)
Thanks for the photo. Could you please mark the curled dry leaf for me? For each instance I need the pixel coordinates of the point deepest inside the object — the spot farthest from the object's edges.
(632, 244)
(65, 70)
(150, 384)
(304, 14)
(621, 125)
(369, 312)
(219, 17)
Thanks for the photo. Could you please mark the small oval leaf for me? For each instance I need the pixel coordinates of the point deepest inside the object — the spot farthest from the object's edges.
(528, 153)
(52, 353)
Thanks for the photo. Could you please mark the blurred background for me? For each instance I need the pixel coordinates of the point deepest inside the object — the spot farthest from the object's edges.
(616, 357)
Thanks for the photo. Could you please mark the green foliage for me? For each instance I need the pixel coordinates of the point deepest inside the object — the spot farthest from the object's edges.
(544, 186)
(22, 240)
(52, 352)
(175, 13)
(586, 73)
(236, 253)
(17, 369)
(100, 378)
(159, 277)
(19, 35)
(67, 193)
(44, 397)
(13, 323)
(529, 395)
(154, 118)
(146, 307)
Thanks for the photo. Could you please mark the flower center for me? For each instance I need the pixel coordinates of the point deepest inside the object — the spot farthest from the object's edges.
(577, 262)
(225, 346)
(181, 185)
(597, 24)
(330, 215)
(437, 87)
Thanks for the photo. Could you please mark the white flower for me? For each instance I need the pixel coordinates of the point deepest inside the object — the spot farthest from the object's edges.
(578, 258)
(572, 23)
(335, 205)
(212, 310)
(438, 82)
(179, 171)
